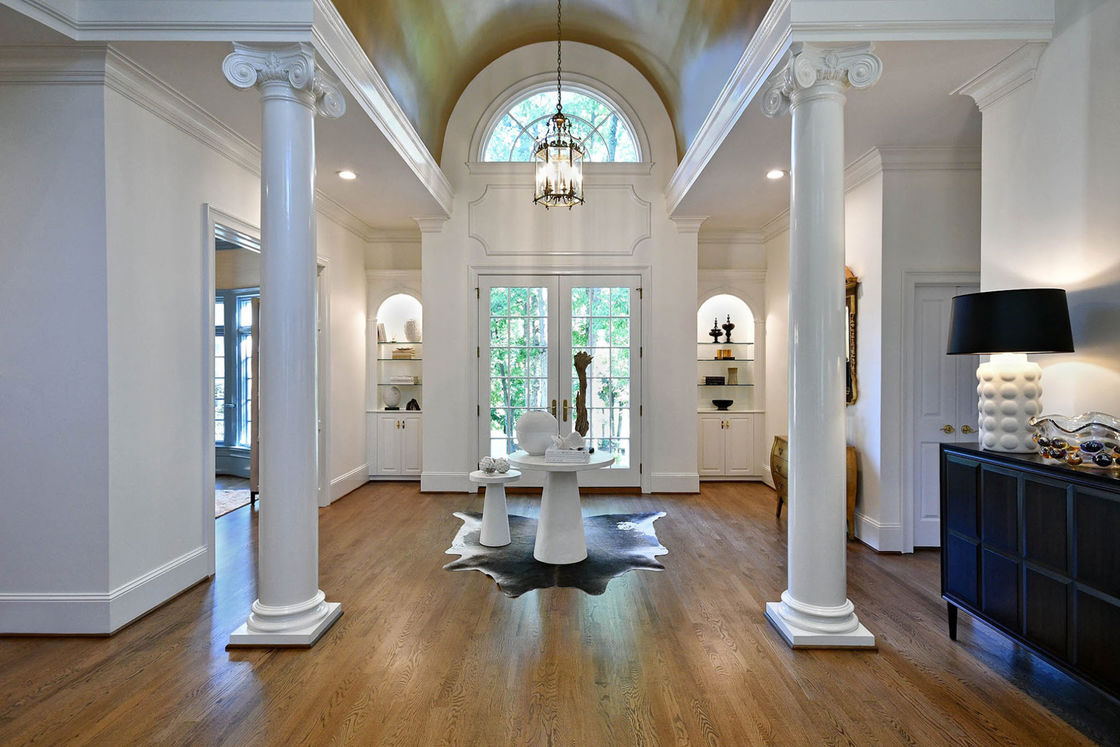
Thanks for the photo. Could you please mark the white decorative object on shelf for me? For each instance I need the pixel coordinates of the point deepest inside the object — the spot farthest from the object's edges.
(412, 330)
(557, 455)
(392, 397)
(571, 441)
(1010, 395)
(501, 465)
(486, 464)
(535, 430)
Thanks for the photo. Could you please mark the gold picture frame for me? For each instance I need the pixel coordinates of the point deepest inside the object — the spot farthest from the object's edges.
(851, 291)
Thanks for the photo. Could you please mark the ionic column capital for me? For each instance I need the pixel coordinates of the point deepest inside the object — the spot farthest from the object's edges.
(293, 64)
(808, 65)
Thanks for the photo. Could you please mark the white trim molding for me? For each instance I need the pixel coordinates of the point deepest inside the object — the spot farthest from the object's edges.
(674, 482)
(445, 482)
(1006, 76)
(349, 481)
(880, 537)
(86, 613)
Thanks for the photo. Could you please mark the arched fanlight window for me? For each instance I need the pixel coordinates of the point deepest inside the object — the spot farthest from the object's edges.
(606, 135)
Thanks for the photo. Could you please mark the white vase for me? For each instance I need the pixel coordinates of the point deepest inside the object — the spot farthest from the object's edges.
(535, 430)
(412, 330)
(392, 397)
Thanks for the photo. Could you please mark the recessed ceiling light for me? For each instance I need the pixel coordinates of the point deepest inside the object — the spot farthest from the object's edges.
(775, 174)
(347, 174)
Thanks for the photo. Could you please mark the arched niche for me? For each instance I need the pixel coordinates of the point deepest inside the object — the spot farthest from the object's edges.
(395, 311)
(719, 307)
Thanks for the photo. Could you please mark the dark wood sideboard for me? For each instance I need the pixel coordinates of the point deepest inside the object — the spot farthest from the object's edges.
(1033, 549)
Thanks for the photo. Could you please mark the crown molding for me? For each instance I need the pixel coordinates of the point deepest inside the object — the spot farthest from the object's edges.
(52, 64)
(1006, 76)
(337, 46)
(762, 54)
(394, 236)
(430, 224)
(524, 171)
(730, 237)
(775, 227)
(170, 20)
(688, 224)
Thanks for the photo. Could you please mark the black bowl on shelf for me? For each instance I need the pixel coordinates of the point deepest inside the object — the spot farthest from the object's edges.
(722, 404)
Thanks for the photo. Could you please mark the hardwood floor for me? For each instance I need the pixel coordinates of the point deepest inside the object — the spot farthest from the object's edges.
(424, 656)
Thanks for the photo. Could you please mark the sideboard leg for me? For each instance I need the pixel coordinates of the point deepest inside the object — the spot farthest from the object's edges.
(952, 621)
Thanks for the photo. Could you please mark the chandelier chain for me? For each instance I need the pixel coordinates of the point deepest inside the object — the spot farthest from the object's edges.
(558, 106)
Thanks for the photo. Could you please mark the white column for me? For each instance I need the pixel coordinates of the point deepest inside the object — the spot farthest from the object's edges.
(815, 610)
(290, 609)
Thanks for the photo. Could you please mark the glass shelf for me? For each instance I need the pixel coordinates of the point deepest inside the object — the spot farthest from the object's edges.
(724, 343)
(397, 342)
(723, 385)
(726, 360)
(391, 384)
(400, 359)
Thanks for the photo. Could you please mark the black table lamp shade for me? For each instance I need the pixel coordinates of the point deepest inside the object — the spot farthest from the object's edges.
(1034, 320)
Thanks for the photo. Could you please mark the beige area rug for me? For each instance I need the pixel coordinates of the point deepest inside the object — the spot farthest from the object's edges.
(229, 500)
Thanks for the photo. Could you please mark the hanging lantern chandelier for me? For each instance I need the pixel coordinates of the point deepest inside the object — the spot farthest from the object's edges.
(558, 153)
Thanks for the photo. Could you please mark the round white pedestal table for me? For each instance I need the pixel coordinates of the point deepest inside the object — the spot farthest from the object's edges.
(495, 519)
(560, 537)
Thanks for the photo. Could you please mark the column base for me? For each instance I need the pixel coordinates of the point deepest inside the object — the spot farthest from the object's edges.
(798, 637)
(298, 637)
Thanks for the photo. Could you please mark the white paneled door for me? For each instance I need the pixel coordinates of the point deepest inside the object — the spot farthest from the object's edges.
(944, 403)
(530, 328)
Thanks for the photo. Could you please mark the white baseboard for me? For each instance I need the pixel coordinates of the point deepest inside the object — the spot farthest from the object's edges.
(768, 477)
(352, 480)
(445, 482)
(76, 613)
(674, 482)
(881, 537)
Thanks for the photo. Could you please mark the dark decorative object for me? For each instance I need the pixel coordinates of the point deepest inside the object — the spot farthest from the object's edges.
(616, 543)
(581, 361)
(714, 380)
(1028, 545)
(412, 404)
(727, 329)
(714, 331)
(722, 404)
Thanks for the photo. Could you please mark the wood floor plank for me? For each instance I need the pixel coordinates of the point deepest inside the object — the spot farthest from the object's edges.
(424, 656)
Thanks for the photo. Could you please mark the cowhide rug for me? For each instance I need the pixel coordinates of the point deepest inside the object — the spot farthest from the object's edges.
(616, 543)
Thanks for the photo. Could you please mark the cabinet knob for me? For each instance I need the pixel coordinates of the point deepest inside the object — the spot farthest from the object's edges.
(967, 429)
(947, 428)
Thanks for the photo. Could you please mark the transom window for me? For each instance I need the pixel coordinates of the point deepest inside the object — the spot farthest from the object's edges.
(605, 133)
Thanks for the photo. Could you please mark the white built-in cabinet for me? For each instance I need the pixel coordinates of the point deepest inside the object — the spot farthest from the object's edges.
(727, 444)
(396, 442)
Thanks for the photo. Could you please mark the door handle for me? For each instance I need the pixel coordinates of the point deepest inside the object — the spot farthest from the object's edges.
(553, 408)
(967, 429)
(404, 424)
(947, 428)
(565, 411)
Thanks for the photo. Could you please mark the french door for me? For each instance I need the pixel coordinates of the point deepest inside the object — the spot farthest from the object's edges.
(530, 328)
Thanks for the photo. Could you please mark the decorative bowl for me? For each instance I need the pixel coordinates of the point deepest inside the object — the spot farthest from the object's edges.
(1089, 441)
(722, 404)
(535, 430)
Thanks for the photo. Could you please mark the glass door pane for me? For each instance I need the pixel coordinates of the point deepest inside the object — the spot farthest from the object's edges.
(602, 314)
(516, 358)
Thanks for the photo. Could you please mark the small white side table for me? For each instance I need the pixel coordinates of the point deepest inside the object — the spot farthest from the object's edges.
(560, 536)
(495, 520)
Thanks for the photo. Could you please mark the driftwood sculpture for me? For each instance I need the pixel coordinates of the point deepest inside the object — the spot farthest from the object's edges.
(582, 361)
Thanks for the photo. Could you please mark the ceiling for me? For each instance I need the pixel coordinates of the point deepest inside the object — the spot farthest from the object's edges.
(429, 50)
(912, 105)
(386, 193)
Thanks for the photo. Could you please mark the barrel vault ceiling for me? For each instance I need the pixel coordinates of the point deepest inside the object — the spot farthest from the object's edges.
(429, 50)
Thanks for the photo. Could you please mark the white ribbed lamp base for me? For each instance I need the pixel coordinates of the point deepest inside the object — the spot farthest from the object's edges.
(1010, 391)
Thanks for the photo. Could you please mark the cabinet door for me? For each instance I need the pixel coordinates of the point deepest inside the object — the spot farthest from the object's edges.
(388, 445)
(739, 456)
(710, 444)
(411, 444)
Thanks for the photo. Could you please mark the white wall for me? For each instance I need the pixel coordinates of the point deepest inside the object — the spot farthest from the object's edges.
(54, 405)
(623, 203)
(346, 283)
(1051, 191)
(907, 211)
(777, 343)
(102, 244)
